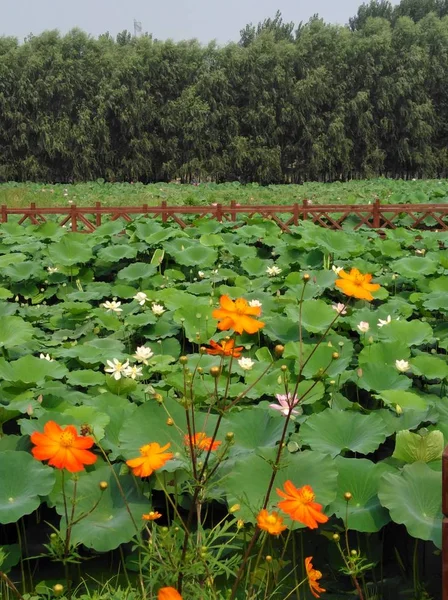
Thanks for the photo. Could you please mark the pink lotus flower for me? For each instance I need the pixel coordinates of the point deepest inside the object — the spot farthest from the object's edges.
(285, 403)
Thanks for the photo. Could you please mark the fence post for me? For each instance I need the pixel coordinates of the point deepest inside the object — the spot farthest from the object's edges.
(97, 214)
(219, 212)
(164, 214)
(4, 213)
(445, 524)
(304, 211)
(376, 212)
(295, 213)
(232, 210)
(73, 217)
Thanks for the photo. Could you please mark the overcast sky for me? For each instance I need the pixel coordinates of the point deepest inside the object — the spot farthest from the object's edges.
(177, 19)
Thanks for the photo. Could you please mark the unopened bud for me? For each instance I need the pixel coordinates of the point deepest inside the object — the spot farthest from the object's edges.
(215, 371)
(306, 277)
(268, 558)
(170, 421)
(284, 368)
(183, 360)
(200, 370)
(354, 552)
(234, 508)
(398, 410)
(158, 398)
(165, 529)
(202, 349)
(103, 485)
(347, 496)
(279, 349)
(335, 355)
(336, 537)
(240, 523)
(58, 588)
(229, 436)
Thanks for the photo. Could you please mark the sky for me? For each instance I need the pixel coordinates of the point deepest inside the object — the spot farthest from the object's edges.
(205, 20)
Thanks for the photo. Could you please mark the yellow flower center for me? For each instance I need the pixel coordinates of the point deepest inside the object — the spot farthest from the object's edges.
(271, 519)
(241, 306)
(314, 574)
(145, 450)
(66, 440)
(359, 279)
(307, 495)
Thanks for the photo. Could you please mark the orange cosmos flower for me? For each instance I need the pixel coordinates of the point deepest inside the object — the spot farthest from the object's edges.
(313, 575)
(63, 448)
(356, 284)
(225, 348)
(168, 593)
(237, 315)
(300, 506)
(151, 516)
(201, 442)
(272, 523)
(153, 456)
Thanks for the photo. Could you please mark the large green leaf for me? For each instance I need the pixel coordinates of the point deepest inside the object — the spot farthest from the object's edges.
(72, 249)
(30, 369)
(411, 333)
(23, 480)
(414, 499)
(316, 315)
(430, 367)
(412, 447)
(403, 399)
(360, 477)
(248, 481)
(14, 331)
(334, 432)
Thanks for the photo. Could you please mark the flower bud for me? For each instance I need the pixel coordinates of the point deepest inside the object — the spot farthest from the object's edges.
(398, 410)
(279, 349)
(229, 436)
(183, 360)
(335, 355)
(158, 398)
(336, 537)
(103, 485)
(165, 529)
(53, 536)
(354, 552)
(170, 421)
(215, 372)
(268, 558)
(234, 508)
(202, 349)
(306, 277)
(200, 370)
(240, 523)
(58, 589)
(347, 496)
(284, 368)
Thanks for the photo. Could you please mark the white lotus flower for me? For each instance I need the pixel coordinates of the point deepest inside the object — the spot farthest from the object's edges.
(402, 365)
(141, 298)
(52, 270)
(273, 271)
(133, 372)
(363, 326)
(116, 368)
(255, 303)
(143, 354)
(246, 363)
(382, 322)
(336, 269)
(157, 309)
(112, 306)
(201, 274)
(45, 357)
(339, 308)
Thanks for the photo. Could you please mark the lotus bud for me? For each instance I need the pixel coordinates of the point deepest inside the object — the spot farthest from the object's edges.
(398, 410)
(347, 496)
(103, 485)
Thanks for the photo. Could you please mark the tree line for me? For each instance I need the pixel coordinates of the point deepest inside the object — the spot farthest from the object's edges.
(286, 103)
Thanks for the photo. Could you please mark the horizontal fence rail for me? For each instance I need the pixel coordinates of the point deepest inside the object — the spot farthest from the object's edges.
(86, 219)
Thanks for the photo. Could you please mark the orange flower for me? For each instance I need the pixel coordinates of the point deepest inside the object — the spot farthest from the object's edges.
(356, 284)
(300, 506)
(237, 315)
(201, 442)
(272, 523)
(153, 456)
(225, 348)
(151, 516)
(168, 593)
(313, 575)
(63, 448)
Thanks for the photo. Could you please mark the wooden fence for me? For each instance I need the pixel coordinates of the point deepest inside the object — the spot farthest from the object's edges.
(332, 216)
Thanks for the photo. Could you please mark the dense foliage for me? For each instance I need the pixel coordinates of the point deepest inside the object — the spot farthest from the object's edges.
(285, 104)
(78, 311)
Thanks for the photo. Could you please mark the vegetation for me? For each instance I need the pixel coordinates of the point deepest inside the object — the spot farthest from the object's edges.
(286, 104)
(285, 443)
(136, 194)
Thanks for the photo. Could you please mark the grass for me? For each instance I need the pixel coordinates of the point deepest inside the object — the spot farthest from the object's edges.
(129, 194)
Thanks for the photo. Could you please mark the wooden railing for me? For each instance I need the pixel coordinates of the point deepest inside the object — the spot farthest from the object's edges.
(332, 216)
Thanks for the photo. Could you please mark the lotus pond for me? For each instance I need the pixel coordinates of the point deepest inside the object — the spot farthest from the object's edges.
(159, 440)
